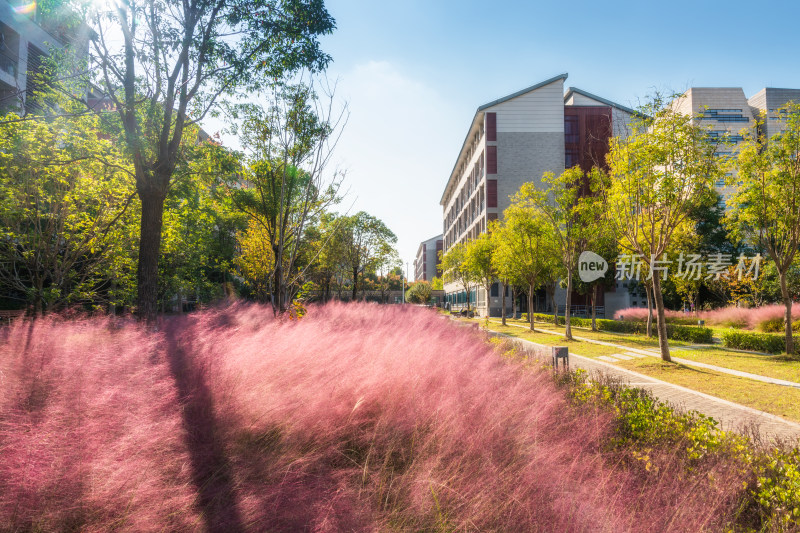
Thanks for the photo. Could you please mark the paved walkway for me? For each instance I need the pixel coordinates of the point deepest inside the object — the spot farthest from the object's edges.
(629, 352)
(730, 415)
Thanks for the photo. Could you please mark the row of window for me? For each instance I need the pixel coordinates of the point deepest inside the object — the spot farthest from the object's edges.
(715, 114)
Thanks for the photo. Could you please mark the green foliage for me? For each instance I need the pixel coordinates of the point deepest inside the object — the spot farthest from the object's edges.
(694, 334)
(66, 213)
(765, 210)
(770, 496)
(285, 191)
(778, 489)
(479, 259)
(455, 269)
(659, 175)
(758, 342)
(367, 244)
(419, 292)
(437, 284)
(776, 325)
(168, 66)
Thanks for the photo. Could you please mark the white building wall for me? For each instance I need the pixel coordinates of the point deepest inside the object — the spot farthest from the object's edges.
(538, 111)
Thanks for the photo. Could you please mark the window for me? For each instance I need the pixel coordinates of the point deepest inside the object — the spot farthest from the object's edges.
(724, 115)
(571, 131)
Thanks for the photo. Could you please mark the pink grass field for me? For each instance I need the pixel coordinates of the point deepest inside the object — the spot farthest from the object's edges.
(738, 317)
(356, 418)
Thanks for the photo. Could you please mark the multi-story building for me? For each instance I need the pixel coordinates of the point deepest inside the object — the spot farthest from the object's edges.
(26, 39)
(514, 140)
(426, 265)
(729, 115)
(767, 103)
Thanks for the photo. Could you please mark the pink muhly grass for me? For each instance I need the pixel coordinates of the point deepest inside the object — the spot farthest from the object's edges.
(735, 317)
(640, 314)
(358, 417)
(90, 433)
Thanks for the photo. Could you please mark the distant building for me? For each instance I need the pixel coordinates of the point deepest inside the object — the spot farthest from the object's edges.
(426, 265)
(731, 115)
(514, 140)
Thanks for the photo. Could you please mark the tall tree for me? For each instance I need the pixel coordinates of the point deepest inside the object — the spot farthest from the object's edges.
(524, 248)
(479, 261)
(455, 270)
(766, 207)
(365, 240)
(174, 64)
(570, 207)
(288, 145)
(659, 175)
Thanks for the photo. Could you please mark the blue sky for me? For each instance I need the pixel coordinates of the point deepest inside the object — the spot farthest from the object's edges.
(413, 73)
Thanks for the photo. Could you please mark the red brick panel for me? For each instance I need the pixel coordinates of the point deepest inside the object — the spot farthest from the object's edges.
(491, 126)
(491, 159)
(491, 193)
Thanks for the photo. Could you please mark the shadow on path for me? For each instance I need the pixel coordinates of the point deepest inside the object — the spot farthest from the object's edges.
(211, 473)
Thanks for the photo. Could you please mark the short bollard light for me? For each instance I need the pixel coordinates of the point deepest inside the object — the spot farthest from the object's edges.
(701, 322)
(560, 353)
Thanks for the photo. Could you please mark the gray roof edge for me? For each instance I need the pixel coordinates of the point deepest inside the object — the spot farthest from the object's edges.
(523, 91)
(490, 104)
(599, 99)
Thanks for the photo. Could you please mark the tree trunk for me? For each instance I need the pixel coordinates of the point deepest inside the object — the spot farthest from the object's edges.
(661, 322)
(594, 307)
(514, 300)
(355, 284)
(530, 307)
(552, 293)
(648, 293)
(149, 250)
(503, 302)
(567, 325)
(787, 319)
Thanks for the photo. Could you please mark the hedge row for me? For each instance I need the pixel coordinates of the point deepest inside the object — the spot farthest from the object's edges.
(694, 334)
(758, 342)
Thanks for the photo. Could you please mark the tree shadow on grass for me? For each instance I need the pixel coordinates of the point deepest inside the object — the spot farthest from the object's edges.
(212, 473)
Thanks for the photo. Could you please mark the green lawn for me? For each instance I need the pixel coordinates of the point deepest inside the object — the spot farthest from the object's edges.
(774, 366)
(775, 399)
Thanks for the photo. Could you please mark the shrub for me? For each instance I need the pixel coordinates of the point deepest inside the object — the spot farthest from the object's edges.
(759, 342)
(775, 325)
(694, 334)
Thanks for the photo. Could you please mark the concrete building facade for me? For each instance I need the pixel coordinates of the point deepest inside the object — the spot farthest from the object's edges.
(514, 140)
(25, 41)
(426, 265)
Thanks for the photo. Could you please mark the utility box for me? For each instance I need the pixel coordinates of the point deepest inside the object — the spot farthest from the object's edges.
(560, 355)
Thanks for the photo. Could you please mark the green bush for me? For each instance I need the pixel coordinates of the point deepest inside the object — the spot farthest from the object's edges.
(759, 342)
(694, 334)
(770, 496)
(775, 325)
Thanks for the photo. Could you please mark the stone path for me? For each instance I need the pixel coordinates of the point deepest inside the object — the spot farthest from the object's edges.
(688, 362)
(730, 415)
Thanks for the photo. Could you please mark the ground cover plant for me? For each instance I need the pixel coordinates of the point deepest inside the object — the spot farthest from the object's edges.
(357, 417)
